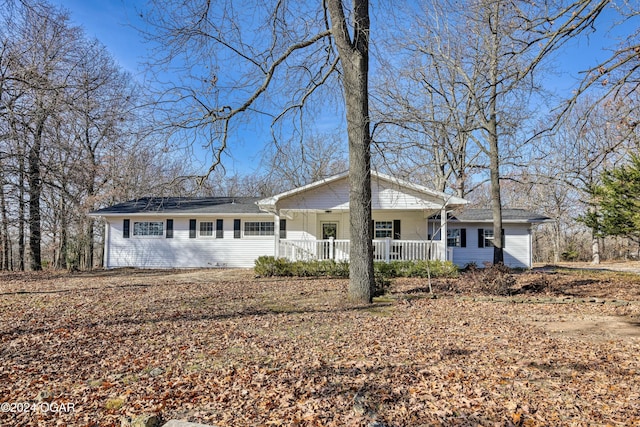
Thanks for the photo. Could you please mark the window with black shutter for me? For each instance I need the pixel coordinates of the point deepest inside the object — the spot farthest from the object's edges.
(169, 234)
(486, 238)
(457, 237)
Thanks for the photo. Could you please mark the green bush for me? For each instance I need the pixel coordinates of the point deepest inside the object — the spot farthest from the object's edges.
(419, 268)
(268, 266)
(570, 254)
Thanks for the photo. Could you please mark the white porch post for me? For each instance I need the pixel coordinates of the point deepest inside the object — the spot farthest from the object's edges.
(331, 247)
(387, 250)
(443, 234)
(276, 234)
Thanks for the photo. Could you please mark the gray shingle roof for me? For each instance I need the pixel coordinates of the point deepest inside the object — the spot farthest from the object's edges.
(184, 205)
(508, 215)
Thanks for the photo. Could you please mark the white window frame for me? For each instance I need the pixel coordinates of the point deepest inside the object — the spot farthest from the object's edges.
(259, 228)
(383, 229)
(148, 228)
(207, 229)
(487, 235)
(455, 239)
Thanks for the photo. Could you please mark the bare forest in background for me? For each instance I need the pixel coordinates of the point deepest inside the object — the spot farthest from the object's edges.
(77, 132)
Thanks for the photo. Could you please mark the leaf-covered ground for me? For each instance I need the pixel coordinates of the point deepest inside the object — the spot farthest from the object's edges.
(222, 347)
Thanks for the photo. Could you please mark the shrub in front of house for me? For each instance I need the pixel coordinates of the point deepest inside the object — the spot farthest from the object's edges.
(269, 266)
(420, 268)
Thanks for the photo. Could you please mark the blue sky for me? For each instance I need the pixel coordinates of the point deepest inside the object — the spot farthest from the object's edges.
(113, 22)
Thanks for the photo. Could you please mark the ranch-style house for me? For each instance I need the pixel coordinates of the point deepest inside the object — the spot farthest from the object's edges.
(411, 222)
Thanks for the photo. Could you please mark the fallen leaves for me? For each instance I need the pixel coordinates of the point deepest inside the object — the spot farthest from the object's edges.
(241, 351)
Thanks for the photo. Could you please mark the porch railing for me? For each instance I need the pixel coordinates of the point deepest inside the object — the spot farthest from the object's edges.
(338, 250)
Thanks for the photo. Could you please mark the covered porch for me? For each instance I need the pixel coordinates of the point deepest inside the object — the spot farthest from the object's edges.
(383, 250)
(312, 222)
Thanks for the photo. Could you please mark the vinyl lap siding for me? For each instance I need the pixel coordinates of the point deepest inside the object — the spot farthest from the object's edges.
(335, 195)
(182, 251)
(516, 253)
(385, 196)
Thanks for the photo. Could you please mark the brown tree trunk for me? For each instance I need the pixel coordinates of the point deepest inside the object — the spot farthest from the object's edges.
(35, 190)
(496, 200)
(21, 213)
(4, 263)
(354, 57)
(494, 154)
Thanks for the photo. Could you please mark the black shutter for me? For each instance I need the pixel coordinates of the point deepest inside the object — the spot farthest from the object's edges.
(283, 228)
(192, 228)
(396, 229)
(236, 228)
(502, 238)
(480, 238)
(169, 229)
(219, 229)
(125, 228)
(463, 237)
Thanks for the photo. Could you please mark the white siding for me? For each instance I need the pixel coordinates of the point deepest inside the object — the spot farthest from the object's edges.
(413, 225)
(384, 195)
(302, 226)
(333, 195)
(308, 225)
(182, 251)
(517, 248)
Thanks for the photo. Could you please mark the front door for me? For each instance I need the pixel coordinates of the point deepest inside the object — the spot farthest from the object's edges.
(329, 231)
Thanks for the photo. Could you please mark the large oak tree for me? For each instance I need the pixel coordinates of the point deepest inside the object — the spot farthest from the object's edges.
(225, 64)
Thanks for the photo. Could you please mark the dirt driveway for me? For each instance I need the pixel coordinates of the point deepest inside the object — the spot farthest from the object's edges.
(626, 266)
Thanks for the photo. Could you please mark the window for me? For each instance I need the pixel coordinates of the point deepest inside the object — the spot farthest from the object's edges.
(456, 237)
(485, 238)
(283, 228)
(148, 228)
(383, 229)
(259, 228)
(387, 229)
(206, 228)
